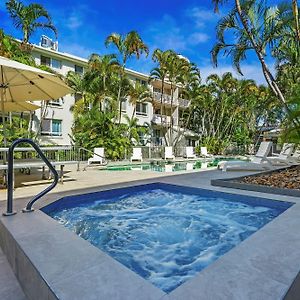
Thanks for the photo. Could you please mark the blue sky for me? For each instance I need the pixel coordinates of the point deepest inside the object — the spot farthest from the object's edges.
(187, 27)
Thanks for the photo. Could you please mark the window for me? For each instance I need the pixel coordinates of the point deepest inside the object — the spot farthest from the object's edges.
(51, 127)
(45, 61)
(78, 69)
(191, 142)
(56, 127)
(141, 109)
(142, 82)
(157, 90)
(55, 63)
(50, 62)
(123, 105)
(57, 102)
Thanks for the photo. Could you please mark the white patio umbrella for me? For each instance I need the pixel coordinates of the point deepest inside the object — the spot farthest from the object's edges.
(21, 83)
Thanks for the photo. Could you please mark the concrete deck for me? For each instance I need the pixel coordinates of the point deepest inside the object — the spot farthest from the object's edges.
(30, 185)
(261, 267)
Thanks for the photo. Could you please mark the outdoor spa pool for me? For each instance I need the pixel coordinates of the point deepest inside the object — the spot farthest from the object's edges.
(165, 233)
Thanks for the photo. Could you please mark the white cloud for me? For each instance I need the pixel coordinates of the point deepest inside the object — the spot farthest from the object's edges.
(76, 49)
(74, 22)
(75, 18)
(198, 37)
(250, 71)
(166, 34)
(201, 16)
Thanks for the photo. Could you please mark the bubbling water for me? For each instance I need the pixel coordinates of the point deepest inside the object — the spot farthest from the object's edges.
(163, 236)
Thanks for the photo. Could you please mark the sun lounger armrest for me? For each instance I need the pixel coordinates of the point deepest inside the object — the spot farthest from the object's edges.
(263, 158)
(275, 154)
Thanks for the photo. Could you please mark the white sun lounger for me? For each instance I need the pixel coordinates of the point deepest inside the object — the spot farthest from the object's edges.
(169, 168)
(284, 156)
(295, 158)
(169, 153)
(204, 152)
(136, 154)
(189, 166)
(98, 156)
(189, 152)
(259, 162)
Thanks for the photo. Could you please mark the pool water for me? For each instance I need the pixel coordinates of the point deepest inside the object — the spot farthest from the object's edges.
(162, 166)
(164, 233)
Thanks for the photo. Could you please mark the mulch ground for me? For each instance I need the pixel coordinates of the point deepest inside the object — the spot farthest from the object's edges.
(288, 178)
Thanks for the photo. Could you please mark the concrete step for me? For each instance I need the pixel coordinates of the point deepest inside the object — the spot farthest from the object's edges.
(10, 288)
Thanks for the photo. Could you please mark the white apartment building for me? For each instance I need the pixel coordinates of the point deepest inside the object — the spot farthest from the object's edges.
(57, 118)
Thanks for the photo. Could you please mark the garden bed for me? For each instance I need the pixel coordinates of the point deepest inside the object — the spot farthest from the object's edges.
(288, 178)
(284, 182)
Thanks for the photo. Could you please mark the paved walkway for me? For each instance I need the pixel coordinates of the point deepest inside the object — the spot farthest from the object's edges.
(30, 185)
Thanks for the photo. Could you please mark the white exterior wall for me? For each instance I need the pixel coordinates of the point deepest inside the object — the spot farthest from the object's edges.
(63, 112)
(58, 112)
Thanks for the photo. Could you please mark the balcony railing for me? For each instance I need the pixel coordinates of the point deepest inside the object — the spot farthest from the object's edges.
(166, 99)
(184, 102)
(161, 120)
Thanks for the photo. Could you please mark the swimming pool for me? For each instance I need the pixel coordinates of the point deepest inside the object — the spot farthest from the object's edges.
(162, 166)
(164, 233)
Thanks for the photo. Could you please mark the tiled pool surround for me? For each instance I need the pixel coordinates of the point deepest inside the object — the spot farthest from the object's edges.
(165, 233)
(261, 267)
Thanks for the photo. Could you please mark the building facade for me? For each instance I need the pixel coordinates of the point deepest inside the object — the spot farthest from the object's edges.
(55, 120)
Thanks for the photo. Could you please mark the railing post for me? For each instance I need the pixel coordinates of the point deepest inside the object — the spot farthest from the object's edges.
(10, 181)
(10, 177)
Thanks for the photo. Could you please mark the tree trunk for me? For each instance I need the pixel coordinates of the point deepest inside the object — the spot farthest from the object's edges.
(185, 127)
(133, 113)
(171, 119)
(120, 90)
(296, 16)
(30, 124)
(161, 108)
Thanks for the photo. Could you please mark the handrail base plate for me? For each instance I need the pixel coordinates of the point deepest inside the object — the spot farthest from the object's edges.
(6, 214)
(25, 210)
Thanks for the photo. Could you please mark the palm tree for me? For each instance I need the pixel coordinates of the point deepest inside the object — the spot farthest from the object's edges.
(103, 67)
(29, 18)
(160, 73)
(191, 91)
(296, 17)
(128, 45)
(139, 93)
(133, 129)
(101, 70)
(254, 27)
(11, 49)
(177, 68)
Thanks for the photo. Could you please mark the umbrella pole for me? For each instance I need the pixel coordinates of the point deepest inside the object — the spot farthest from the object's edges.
(2, 87)
(3, 117)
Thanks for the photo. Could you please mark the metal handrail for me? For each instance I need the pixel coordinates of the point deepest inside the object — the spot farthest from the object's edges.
(10, 180)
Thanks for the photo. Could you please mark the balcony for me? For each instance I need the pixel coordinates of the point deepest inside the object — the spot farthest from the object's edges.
(161, 120)
(184, 102)
(166, 99)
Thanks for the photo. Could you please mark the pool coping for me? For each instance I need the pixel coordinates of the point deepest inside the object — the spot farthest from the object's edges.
(233, 183)
(249, 277)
